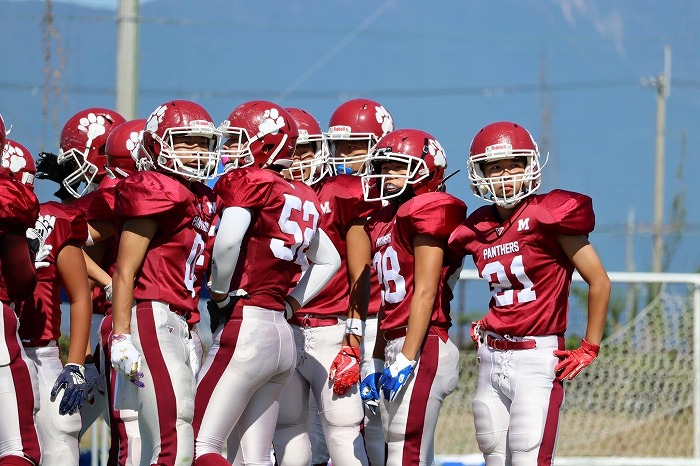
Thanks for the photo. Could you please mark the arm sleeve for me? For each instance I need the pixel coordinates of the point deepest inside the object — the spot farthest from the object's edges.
(227, 246)
(325, 262)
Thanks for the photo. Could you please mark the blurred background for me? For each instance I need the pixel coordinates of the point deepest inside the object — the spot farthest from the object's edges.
(581, 75)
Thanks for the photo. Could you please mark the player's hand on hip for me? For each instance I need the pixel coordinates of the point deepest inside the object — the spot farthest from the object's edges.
(574, 361)
(75, 388)
(369, 391)
(395, 376)
(126, 358)
(345, 369)
(220, 311)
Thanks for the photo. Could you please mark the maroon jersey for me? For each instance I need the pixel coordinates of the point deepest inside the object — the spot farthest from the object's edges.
(285, 216)
(61, 225)
(202, 264)
(184, 218)
(392, 232)
(19, 209)
(19, 206)
(528, 272)
(342, 202)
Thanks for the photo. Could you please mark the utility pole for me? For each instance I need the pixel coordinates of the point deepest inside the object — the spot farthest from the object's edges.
(127, 58)
(663, 88)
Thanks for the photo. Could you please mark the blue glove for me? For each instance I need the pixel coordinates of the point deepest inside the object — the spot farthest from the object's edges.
(75, 388)
(395, 376)
(370, 381)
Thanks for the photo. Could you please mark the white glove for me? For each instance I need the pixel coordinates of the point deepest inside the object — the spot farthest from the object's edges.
(42, 229)
(108, 292)
(43, 253)
(126, 358)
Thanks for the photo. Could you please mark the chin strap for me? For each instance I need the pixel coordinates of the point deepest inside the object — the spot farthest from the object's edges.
(441, 187)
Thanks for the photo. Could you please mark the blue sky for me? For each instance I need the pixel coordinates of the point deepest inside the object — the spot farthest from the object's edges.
(446, 67)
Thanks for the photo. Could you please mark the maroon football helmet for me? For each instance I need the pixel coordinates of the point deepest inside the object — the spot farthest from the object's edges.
(173, 119)
(82, 145)
(260, 134)
(423, 156)
(122, 148)
(309, 171)
(361, 120)
(17, 162)
(498, 141)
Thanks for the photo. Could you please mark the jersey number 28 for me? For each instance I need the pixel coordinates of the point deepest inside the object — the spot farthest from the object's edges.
(388, 268)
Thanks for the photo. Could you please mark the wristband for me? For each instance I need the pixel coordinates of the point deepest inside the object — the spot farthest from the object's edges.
(355, 327)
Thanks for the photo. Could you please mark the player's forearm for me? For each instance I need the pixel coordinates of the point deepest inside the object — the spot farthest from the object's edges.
(418, 322)
(358, 252)
(95, 272)
(359, 297)
(122, 299)
(80, 319)
(598, 297)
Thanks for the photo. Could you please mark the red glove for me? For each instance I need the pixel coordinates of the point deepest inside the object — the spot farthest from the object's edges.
(345, 370)
(575, 360)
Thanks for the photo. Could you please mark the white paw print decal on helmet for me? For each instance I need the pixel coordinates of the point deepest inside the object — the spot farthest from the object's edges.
(93, 125)
(437, 152)
(272, 122)
(384, 118)
(13, 158)
(133, 142)
(155, 118)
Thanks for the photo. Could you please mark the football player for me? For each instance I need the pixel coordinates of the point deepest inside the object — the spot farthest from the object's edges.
(416, 365)
(164, 216)
(59, 231)
(526, 246)
(120, 150)
(78, 170)
(19, 208)
(268, 231)
(329, 329)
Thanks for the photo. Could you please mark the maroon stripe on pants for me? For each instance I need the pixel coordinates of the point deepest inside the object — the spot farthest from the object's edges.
(119, 442)
(24, 391)
(551, 423)
(163, 384)
(425, 376)
(206, 386)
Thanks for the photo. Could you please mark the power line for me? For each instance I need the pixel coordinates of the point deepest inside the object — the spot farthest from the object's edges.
(488, 91)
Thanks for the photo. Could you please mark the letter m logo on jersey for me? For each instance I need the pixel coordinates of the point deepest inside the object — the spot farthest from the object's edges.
(326, 207)
(523, 224)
